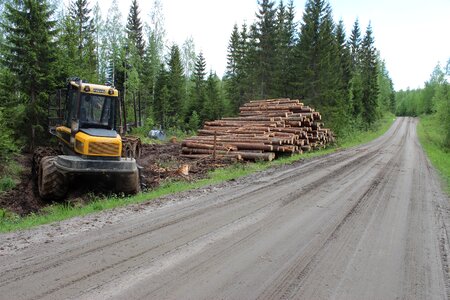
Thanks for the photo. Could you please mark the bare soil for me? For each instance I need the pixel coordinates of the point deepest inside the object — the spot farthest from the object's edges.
(159, 162)
(371, 222)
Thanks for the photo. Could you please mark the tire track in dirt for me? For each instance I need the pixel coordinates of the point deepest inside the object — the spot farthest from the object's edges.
(276, 234)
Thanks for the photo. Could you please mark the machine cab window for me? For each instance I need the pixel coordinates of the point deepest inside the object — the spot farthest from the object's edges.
(96, 111)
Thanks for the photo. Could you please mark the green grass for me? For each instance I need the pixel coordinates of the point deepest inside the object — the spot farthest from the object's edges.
(58, 212)
(361, 137)
(10, 175)
(431, 139)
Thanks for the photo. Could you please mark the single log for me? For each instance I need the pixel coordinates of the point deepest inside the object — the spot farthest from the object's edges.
(186, 150)
(207, 146)
(251, 146)
(266, 156)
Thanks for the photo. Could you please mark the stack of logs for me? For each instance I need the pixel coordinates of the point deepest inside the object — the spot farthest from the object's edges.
(263, 130)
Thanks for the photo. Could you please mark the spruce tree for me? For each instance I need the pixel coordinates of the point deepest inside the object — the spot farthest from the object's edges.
(355, 45)
(342, 109)
(161, 105)
(134, 29)
(266, 36)
(286, 40)
(369, 75)
(29, 55)
(213, 108)
(344, 60)
(198, 93)
(356, 81)
(386, 89)
(317, 55)
(233, 71)
(251, 84)
(175, 85)
(86, 58)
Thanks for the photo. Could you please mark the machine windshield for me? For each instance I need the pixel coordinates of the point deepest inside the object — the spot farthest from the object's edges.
(97, 111)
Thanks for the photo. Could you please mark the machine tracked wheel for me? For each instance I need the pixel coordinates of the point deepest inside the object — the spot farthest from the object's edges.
(51, 183)
(128, 183)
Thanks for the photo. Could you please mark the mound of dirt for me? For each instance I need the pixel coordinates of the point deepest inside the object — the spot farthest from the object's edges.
(158, 162)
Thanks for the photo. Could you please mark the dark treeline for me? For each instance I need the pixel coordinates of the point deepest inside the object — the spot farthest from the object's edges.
(169, 85)
(432, 99)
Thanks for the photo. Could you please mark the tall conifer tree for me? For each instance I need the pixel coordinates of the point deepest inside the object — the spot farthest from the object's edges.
(80, 13)
(134, 28)
(198, 94)
(369, 75)
(316, 55)
(30, 57)
(266, 36)
(175, 84)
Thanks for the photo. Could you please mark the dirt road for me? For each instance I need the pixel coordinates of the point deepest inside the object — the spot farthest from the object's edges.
(365, 223)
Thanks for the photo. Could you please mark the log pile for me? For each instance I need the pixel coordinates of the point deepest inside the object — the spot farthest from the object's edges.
(263, 130)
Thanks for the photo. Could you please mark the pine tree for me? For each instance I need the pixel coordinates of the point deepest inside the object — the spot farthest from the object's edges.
(134, 29)
(369, 75)
(30, 57)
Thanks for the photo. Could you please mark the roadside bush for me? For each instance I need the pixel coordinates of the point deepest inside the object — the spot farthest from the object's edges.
(442, 98)
(6, 183)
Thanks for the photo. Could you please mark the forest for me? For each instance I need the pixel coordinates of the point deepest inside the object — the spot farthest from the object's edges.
(432, 101)
(167, 85)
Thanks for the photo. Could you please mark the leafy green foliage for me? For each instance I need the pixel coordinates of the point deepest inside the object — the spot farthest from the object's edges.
(434, 143)
(433, 99)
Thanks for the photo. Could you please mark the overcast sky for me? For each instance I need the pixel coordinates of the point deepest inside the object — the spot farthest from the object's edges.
(412, 35)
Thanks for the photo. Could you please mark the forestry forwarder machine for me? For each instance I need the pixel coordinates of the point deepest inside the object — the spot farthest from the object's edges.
(86, 125)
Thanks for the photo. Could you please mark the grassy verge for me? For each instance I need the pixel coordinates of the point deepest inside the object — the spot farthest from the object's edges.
(59, 212)
(361, 137)
(432, 141)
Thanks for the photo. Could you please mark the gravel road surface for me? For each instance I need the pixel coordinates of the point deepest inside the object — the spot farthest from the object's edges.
(370, 222)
